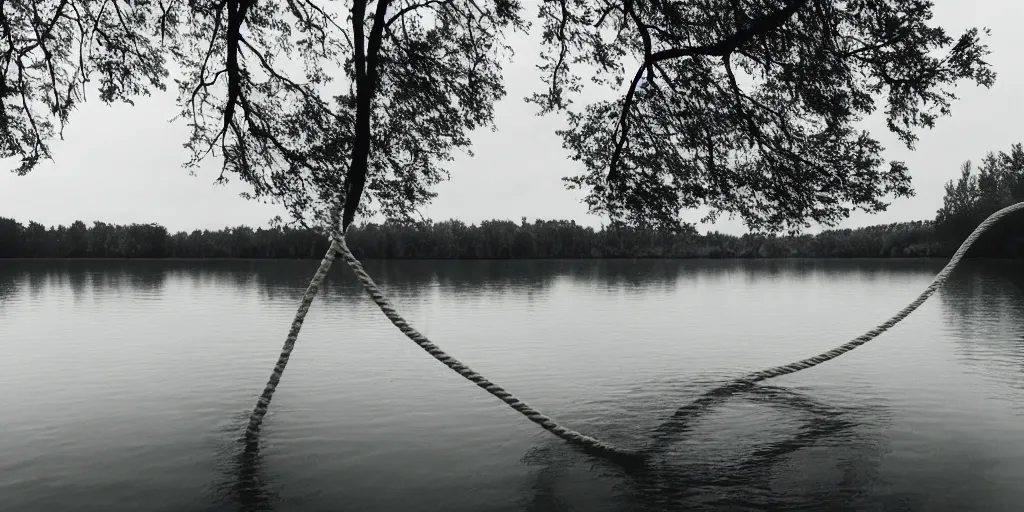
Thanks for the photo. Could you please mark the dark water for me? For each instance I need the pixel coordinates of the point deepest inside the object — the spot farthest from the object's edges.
(126, 384)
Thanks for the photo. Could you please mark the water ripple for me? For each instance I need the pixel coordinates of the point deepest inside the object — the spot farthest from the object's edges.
(132, 380)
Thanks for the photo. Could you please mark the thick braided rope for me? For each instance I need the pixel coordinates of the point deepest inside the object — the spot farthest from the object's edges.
(936, 283)
(593, 444)
(256, 418)
(523, 408)
(719, 393)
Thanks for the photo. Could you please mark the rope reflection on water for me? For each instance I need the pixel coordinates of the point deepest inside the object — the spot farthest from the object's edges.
(825, 458)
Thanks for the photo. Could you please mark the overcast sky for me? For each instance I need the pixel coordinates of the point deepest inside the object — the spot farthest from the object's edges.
(122, 164)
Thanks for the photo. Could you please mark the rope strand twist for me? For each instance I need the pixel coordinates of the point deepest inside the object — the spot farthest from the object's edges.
(466, 372)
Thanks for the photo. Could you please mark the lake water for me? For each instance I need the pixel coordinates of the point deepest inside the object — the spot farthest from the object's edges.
(126, 385)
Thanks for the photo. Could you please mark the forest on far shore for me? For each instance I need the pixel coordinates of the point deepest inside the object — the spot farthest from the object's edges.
(999, 182)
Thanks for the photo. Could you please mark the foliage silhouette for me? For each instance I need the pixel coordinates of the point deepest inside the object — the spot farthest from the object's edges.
(747, 107)
(282, 92)
(973, 197)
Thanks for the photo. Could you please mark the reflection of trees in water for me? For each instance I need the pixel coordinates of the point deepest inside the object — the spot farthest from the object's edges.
(150, 277)
(277, 280)
(867, 270)
(983, 302)
(18, 278)
(143, 277)
(471, 277)
(77, 282)
(644, 273)
(765, 478)
(238, 274)
(12, 280)
(81, 277)
(415, 278)
(285, 280)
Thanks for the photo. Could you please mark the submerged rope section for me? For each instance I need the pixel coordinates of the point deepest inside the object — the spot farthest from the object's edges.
(586, 442)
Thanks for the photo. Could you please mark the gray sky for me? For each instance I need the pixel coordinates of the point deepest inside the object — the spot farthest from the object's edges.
(122, 164)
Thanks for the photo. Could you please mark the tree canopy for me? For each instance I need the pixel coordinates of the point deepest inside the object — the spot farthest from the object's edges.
(970, 199)
(282, 91)
(748, 107)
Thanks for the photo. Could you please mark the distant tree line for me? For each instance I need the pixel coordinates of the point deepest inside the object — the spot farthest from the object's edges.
(999, 182)
(453, 239)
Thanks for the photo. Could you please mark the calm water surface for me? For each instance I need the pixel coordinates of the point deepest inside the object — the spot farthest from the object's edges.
(126, 384)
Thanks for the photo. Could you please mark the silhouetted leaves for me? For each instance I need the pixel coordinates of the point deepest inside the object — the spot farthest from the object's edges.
(52, 48)
(973, 197)
(283, 92)
(748, 107)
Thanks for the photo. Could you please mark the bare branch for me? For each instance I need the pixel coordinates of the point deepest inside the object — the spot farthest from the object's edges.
(721, 48)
